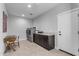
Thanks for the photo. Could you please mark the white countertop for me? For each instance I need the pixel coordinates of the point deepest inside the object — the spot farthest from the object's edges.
(49, 34)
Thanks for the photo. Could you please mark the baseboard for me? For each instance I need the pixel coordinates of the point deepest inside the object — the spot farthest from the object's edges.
(67, 52)
(21, 39)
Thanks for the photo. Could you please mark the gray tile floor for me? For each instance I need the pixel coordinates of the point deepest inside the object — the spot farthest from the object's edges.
(31, 49)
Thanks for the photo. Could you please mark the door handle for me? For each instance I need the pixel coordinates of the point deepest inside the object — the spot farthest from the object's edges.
(59, 32)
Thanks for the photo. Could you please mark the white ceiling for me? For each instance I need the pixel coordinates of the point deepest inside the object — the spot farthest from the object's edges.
(18, 9)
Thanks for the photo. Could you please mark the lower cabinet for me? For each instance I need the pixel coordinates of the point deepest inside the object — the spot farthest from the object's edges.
(46, 41)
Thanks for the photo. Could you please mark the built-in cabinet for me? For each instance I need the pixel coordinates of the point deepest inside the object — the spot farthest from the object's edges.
(46, 41)
(68, 31)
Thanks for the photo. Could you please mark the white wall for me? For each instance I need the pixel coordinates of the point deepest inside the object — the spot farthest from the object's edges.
(1, 41)
(17, 26)
(2, 35)
(46, 23)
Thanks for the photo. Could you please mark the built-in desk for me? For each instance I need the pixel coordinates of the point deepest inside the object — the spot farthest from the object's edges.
(45, 40)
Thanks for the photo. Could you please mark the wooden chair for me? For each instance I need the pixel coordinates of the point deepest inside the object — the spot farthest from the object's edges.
(10, 42)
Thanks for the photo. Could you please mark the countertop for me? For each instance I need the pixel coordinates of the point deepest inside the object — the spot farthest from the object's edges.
(49, 34)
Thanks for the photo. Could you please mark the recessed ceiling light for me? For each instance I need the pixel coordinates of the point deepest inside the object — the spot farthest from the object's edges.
(29, 6)
(23, 15)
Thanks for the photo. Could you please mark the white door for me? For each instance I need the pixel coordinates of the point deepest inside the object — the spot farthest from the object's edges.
(66, 41)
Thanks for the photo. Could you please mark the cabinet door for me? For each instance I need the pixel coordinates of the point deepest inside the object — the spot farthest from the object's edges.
(45, 42)
(33, 37)
(37, 38)
(41, 40)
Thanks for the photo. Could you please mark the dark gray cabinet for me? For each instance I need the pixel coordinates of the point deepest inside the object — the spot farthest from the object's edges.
(46, 41)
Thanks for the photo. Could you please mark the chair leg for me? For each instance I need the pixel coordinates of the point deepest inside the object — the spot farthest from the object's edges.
(11, 47)
(6, 49)
(18, 42)
(18, 45)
